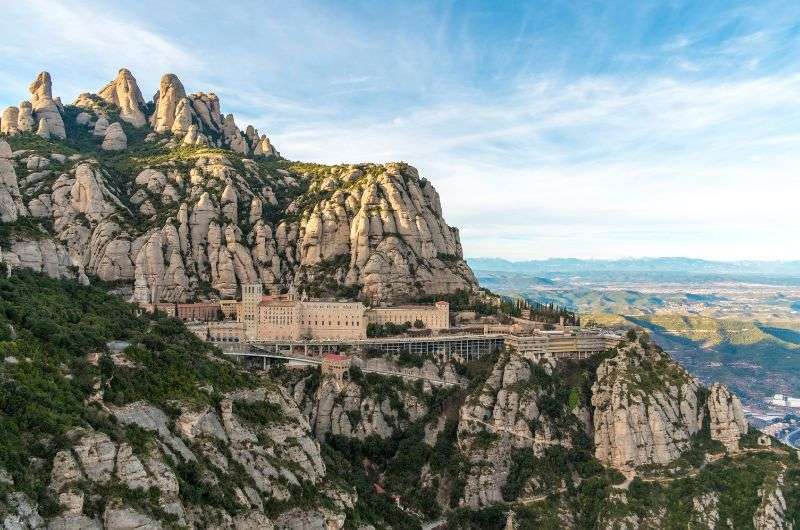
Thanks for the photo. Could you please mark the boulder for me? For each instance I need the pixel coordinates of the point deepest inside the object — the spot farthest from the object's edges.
(169, 94)
(233, 136)
(100, 126)
(25, 120)
(183, 117)
(11, 202)
(115, 139)
(9, 121)
(727, 420)
(264, 148)
(83, 118)
(5, 150)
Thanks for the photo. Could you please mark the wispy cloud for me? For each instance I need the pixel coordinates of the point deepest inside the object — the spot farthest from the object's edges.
(620, 129)
(90, 38)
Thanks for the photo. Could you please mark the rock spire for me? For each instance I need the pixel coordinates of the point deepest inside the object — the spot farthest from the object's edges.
(125, 94)
(46, 111)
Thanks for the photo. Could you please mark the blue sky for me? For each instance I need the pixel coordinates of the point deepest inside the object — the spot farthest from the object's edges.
(586, 129)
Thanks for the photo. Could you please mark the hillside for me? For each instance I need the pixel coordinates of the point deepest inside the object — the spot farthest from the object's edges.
(166, 434)
(172, 196)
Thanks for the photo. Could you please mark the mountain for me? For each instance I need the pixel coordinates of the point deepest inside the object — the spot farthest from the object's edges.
(676, 264)
(115, 419)
(162, 431)
(172, 195)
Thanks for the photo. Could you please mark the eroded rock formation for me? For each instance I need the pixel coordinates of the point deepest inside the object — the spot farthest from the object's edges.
(646, 408)
(124, 93)
(215, 218)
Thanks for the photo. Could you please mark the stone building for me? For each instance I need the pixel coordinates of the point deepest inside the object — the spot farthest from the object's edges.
(248, 309)
(290, 319)
(561, 345)
(335, 365)
(229, 308)
(435, 317)
(199, 311)
(226, 331)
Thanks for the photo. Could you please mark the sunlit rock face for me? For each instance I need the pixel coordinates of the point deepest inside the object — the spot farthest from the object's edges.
(174, 194)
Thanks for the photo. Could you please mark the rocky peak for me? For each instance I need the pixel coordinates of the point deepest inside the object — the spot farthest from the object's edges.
(727, 419)
(41, 88)
(646, 408)
(124, 92)
(170, 93)
(224, 220)
(46, 110)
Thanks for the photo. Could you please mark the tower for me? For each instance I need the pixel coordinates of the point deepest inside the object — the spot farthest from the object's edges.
(251, 297)
(141, 293)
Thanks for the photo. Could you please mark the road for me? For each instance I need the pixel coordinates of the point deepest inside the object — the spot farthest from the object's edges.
(793, 438)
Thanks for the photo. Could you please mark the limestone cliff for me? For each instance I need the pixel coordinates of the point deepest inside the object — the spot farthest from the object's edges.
(174, 195)
(374, 403)
(647, 409)
(515, 416)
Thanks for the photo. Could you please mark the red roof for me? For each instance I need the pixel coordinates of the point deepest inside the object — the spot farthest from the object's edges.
(334, 357)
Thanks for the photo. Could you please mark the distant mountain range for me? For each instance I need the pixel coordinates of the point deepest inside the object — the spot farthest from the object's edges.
(675, 264)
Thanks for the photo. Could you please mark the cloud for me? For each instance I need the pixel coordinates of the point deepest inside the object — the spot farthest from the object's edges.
(599, 159)
(548, 130)
(87, 37)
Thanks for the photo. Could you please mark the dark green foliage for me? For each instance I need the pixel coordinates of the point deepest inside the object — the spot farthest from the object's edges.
(356, 375)
(522, 468)
(388, 329)
(372, 508)
(259, 413)
(195, 490)
(491, 518)
(408, 359)
(56, 323)
(24, 227)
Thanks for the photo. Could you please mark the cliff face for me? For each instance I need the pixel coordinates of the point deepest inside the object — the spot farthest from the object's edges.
(173, 195)
(647, 408)
(356, 409)
(515, 412)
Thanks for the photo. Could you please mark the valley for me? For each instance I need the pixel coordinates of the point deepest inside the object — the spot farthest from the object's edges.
(739, 328)
(154, 255)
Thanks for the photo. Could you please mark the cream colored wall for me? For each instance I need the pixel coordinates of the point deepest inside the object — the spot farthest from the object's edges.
(277, 322)
(312, 320)
(433, 317)
(248, 309)
(333, 320)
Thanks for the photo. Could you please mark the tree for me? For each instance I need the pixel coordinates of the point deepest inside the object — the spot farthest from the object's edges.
(419, 324)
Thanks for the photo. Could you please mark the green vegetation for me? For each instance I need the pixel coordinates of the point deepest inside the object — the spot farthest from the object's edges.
(388, 329)
(259, 413)
(23, 228)
(48, 326)
(396, 462)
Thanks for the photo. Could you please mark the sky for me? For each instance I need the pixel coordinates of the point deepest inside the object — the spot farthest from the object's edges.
(590, 129)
